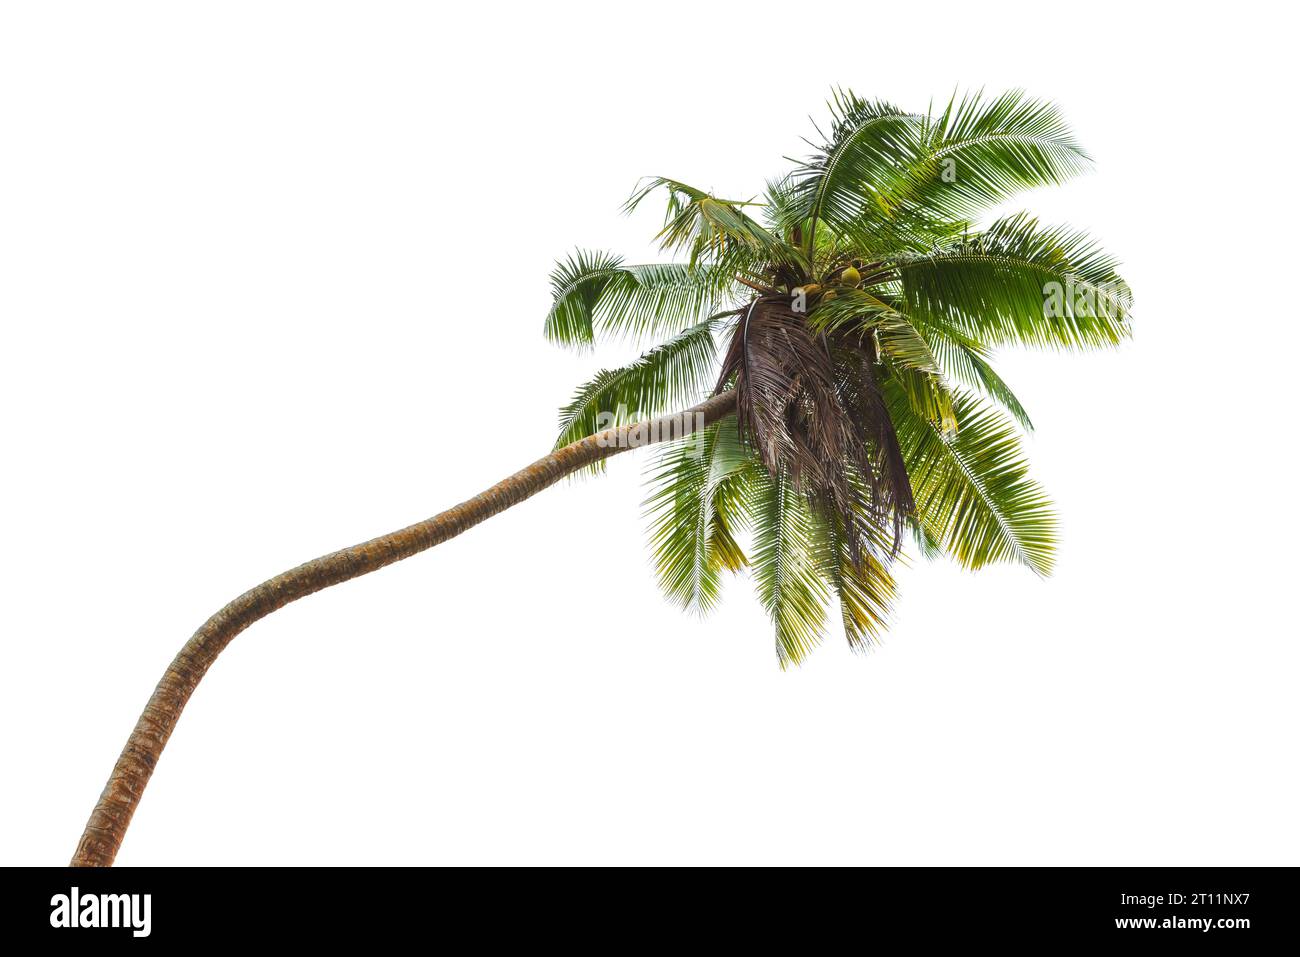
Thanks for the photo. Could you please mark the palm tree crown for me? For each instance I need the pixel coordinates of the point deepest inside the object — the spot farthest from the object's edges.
(854, 310)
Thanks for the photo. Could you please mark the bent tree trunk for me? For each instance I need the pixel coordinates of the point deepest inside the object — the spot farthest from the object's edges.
(108, 821)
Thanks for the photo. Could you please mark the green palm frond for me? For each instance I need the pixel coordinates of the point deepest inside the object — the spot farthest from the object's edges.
(785, 566)
(980, 151)
(863, 171)
(928, 396)
(730, 478)
(577, 284)
(861, 312)
(696, 507)
(902, 345)
(713, 232)
(972, 487)
(965, 361)
(853, 310)
(782, 210)
(663, 379)
(1021, 284)
(926, 544)
(865, 588)
(595, 295)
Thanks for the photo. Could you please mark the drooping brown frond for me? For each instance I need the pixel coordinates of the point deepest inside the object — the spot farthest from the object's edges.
(813, 410)
(785, 373)
(878, 455)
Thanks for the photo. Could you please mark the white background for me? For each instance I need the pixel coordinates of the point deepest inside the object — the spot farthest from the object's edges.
(272, 279)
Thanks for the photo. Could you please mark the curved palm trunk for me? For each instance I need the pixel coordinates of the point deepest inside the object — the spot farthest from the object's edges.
(108, 821)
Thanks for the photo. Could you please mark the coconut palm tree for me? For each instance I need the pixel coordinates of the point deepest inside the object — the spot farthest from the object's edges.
(819, 381)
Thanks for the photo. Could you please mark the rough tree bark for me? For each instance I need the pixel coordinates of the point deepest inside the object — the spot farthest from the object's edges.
(108, 821)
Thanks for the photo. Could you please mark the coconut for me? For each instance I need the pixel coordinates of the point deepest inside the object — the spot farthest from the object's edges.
(851, 276)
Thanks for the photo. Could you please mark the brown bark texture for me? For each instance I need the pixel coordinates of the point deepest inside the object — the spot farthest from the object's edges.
(112, 814)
